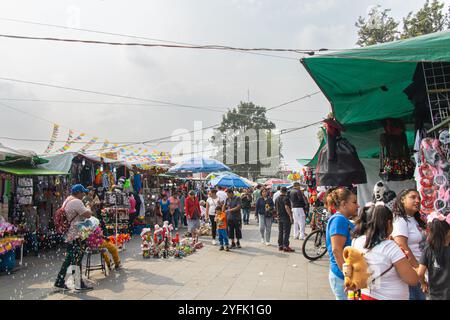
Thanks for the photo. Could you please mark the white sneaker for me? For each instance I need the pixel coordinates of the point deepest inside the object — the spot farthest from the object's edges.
(214, 242)
(267, 243)
(176, 229)
(296, 238)
(262, 241)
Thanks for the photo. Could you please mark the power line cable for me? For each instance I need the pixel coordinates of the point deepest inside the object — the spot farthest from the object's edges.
(175, 46)
(129, 36)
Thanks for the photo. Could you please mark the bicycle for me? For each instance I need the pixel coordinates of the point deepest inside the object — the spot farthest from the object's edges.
(314, 247)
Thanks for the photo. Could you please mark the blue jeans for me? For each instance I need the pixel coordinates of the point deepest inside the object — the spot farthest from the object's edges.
(166, 216)
(337, 286)
(415, 293)
(175, 218)
(223, 237)
(246, 213)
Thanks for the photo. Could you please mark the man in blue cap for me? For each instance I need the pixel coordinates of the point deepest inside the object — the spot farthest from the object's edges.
(75, 212)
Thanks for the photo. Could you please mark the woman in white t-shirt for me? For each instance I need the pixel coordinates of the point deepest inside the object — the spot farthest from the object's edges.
(390, 270)
(211, 203)
(409, 232)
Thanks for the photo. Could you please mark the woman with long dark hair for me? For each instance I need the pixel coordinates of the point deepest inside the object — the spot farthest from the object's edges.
(436, 259)
(409, 232)
(390, 270)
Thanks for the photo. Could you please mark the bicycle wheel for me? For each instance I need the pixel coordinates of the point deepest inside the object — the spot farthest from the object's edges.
(314, 246)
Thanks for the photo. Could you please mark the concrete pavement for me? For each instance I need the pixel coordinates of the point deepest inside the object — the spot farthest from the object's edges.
(255, 271)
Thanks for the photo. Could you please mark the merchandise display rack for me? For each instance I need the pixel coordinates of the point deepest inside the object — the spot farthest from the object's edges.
(119, 212)
(437, 83)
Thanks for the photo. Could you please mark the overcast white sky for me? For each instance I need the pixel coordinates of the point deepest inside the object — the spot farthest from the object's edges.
(213, 79)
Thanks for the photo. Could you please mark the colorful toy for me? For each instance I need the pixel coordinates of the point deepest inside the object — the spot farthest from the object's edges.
(147, 242)
(95, 239)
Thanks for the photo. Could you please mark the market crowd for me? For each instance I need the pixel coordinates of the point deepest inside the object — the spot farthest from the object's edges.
(407, 257)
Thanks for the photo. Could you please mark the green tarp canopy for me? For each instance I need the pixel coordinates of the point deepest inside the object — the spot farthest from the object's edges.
(31, 171)
(365, 85)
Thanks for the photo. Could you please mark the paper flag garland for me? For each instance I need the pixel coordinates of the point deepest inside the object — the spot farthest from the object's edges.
(53, 138)
(88, 145)
(71, 140)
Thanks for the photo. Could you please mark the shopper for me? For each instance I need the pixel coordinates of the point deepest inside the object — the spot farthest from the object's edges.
(435, 259)
(256, 196)
(299, 205)
(165, 207)
(193, 213)
(75, 212)
(211, 204)
(220, 218)
(222, 195)
(232, 207)
(409, 232)
(132, 212)
(285, 220)
(246, 200)
(338, 236)
(391, 271)
(276, 194)
(264, 208)
(174, 209)
(182, 207)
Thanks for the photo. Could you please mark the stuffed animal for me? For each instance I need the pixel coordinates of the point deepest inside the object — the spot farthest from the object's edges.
(355, 269)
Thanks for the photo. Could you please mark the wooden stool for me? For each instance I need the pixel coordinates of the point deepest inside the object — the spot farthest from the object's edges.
(90, 267)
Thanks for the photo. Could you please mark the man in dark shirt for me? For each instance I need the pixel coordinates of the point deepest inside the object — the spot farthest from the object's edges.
(232, 207)
(285, 219)
(299, 204)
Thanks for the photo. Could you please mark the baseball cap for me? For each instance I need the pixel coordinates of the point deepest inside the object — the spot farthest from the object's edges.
(77, 188)
(283, 189)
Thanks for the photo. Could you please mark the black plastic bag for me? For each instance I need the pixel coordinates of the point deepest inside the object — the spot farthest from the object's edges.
(345, 170)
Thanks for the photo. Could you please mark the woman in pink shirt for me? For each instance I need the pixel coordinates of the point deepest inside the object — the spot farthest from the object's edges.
(132, 212)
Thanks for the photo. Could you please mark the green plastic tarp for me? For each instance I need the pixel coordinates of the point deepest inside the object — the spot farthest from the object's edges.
(31, 171)
(366, 85)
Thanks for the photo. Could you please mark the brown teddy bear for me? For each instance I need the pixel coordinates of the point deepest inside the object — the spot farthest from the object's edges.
(355, 269)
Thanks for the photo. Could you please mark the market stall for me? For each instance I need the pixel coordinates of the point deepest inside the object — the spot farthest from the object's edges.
(388, 112)
(29, 196)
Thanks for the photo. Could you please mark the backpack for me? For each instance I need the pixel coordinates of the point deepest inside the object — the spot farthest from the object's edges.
(62, 224)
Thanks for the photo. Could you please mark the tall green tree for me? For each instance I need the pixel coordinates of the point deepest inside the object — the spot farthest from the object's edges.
(428, 19)
(241, 119)
(377, 27)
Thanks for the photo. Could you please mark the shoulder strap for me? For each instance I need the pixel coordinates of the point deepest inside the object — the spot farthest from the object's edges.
(382, 274)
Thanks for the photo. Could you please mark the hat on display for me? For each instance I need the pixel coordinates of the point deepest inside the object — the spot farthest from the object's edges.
(77, 188)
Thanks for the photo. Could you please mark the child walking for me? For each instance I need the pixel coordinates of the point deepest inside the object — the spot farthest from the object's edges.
(436, 258)
(221, 220)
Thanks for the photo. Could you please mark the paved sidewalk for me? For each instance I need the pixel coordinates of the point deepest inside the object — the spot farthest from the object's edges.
(254, 272)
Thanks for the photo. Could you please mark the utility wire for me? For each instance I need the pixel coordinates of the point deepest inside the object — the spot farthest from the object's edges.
(129, 36)
(177, 46)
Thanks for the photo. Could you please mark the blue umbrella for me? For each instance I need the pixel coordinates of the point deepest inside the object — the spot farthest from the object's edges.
(229, 181)
(196, 165)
